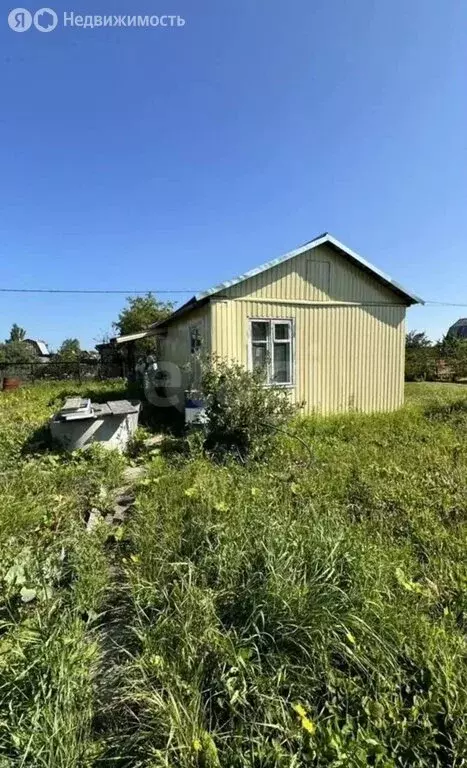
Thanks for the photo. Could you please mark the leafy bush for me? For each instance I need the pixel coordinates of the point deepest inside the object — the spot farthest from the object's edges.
(421, 363)
(446, 360)
(242, 413)
(454, 352)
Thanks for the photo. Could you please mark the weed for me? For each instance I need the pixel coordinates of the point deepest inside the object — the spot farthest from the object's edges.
(307, 610)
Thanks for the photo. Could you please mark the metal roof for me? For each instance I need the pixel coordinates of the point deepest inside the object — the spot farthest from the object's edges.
(43, 348)
(129, 337)
(40, 345)
(325, 239)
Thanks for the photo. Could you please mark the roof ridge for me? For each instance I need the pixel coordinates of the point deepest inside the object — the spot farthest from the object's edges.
(314, 243)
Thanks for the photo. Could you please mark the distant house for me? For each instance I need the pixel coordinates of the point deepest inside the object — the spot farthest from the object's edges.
(320, 321)
(40, 349)
(459, 329)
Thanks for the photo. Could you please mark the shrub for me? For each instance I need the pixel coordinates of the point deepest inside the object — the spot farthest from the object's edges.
(242, 413)
(420, 364)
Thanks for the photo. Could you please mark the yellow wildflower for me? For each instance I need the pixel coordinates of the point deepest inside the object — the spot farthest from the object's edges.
(308, 725)
(301, 711)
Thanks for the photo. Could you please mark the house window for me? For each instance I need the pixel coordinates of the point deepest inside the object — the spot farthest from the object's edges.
(271, 349)
(195, 339)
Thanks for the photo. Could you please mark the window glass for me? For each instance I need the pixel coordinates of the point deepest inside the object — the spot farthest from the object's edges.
(281, 331)
(281, 372)
(260, 356)
(195, 340)
(271, 350)
(259, 331)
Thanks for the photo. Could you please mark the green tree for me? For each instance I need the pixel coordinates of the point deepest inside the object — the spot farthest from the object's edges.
(16, 353)
(16, 333)
(140, 312)
(421, 357)
(417, 340)
(69, 351)
(453, 350)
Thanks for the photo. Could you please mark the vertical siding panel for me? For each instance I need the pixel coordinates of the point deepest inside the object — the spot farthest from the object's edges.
(329, 396)
(305, 366)
(395, 370)
(398, 370)
(329, 340)
(309, 372)
(345, 356)
(387, 405)
(320, 353)
(399, 363)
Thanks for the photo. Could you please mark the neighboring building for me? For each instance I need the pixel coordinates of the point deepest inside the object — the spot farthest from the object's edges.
(323, 323)
(459, 329)
(40, 349)
(111, 361)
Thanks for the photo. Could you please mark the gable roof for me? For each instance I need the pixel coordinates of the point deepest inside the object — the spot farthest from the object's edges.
(40, 346)
(325, 239)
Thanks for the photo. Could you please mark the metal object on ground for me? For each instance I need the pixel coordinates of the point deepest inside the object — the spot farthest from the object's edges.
(195, 409)
(81, 422)
(11, 382)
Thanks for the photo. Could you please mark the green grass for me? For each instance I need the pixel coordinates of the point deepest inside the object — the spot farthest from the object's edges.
(310, 610)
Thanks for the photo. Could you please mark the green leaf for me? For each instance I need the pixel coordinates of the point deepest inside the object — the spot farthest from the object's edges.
(15, 575)
(119, 533)
(28, 595)
(221, 506)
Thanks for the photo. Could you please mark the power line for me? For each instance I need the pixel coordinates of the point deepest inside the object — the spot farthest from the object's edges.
(148, 290)
(60, 290)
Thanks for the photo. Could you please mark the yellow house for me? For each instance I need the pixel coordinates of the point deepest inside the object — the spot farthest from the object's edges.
(321, 321)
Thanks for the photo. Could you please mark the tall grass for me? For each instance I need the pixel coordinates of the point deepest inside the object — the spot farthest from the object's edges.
(53, 579)
(310, 610)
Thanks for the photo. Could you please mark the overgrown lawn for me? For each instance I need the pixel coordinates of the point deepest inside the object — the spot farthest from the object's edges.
(310, 610)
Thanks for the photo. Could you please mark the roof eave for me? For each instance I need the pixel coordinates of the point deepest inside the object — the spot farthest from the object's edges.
(189, 306)
(129, 337)
(325, 239)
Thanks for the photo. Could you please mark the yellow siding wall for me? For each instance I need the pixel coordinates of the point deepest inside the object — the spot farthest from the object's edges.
(346, 358)
(175, 349)
(349, 332)
(321, 274)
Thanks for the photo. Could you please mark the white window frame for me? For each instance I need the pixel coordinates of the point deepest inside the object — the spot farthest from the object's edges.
(272, 322)
(195, 332)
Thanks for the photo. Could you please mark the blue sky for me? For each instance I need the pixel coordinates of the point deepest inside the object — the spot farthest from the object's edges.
(172, 159)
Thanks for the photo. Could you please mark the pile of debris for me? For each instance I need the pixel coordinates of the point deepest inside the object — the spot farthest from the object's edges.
(79, 423)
